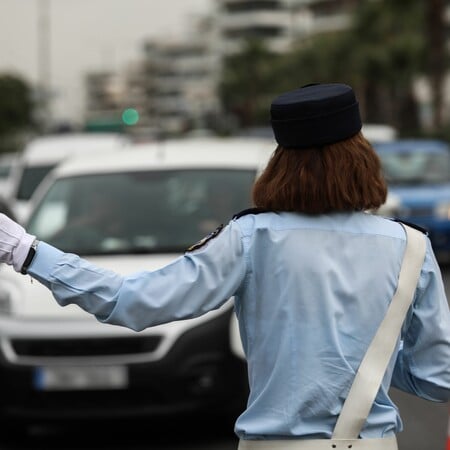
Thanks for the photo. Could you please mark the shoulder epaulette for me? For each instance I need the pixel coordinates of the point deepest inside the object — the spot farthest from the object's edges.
(206, 239)
(412, 225)
(248, 211)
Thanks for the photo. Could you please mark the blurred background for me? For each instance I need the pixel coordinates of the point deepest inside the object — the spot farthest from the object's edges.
(168, 68)
(152, 70)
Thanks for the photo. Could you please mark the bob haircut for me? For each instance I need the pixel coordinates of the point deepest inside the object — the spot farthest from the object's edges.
(340, 177)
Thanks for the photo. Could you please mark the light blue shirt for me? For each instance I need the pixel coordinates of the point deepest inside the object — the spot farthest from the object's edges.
(310, 293)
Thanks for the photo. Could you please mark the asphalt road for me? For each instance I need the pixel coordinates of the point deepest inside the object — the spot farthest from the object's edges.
(425, 429)
(425, 426)
(169, 434)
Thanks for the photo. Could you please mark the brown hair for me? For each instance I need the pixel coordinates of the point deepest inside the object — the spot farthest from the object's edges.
(344, 176)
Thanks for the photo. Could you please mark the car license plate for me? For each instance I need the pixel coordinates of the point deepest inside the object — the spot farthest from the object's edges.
(59, 378)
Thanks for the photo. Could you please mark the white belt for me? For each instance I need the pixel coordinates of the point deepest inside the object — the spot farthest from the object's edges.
(320, 444)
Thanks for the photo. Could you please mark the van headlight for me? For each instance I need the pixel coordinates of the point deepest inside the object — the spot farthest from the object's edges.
(442, 211)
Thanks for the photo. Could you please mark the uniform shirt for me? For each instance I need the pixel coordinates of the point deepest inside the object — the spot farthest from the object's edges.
(310, 293)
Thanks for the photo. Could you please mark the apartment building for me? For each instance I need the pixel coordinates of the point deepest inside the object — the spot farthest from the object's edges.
(180, 83)
(172, 86)
(278, 22)
(326, 16)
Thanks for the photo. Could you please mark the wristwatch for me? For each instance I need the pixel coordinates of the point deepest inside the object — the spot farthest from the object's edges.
(29, 257)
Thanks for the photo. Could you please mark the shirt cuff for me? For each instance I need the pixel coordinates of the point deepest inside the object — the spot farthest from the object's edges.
(44, 262)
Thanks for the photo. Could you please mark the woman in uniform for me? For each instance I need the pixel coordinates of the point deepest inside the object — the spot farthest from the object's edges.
(313, 273)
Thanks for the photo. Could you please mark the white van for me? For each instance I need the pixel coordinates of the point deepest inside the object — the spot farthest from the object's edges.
(43, 153)
(137, 209)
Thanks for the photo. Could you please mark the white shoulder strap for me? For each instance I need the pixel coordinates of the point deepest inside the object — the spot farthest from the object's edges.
(373, 366)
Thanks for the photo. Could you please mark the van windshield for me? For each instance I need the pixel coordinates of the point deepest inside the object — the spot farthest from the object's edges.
(30, 179)
(139, 212)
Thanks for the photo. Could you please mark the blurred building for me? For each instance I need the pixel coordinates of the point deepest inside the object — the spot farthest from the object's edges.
(180, 83)
(278, 22)
(105, 92)
(174, 84)
(175, 87)
(172, 87)
(326, 16)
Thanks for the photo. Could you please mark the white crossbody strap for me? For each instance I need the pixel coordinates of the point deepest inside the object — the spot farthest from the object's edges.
(373, 366)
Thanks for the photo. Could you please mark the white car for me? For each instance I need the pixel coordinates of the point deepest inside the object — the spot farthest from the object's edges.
(43, 153)
(158, 199)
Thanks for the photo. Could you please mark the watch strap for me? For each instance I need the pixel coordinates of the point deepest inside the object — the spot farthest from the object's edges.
(29, 258)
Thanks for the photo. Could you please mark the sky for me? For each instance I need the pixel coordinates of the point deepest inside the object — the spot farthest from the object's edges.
(85, 35)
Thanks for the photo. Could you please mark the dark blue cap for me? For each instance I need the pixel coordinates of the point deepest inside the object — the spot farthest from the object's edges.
(315, 115)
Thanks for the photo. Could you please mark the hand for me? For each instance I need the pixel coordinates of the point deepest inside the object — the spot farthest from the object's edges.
(15, 243)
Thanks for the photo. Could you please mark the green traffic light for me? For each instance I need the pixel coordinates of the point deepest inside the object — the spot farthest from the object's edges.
(130, 116)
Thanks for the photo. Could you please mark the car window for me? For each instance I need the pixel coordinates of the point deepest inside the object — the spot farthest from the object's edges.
(30, 179)
(416, 167)
(147, 211)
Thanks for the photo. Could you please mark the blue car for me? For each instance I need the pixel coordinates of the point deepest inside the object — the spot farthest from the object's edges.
(418, 176)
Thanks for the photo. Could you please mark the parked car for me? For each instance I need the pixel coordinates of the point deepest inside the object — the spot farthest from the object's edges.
(136, 209)
(43, 153)
(418, 176)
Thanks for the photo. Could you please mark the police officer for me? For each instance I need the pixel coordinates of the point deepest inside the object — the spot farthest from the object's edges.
(313, 273)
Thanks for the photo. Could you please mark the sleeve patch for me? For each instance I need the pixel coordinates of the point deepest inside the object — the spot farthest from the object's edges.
(202, 242)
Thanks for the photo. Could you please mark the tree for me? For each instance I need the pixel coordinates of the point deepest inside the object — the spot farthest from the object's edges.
(248, 83)
(437, 55)
(15, 105)
(381, 54)
(388, 50)
(387, 47)
(323, 58)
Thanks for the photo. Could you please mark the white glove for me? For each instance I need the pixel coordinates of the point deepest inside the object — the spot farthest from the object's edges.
(15, 243)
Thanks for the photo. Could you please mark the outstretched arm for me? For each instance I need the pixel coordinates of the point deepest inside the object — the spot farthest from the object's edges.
(193, 284)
